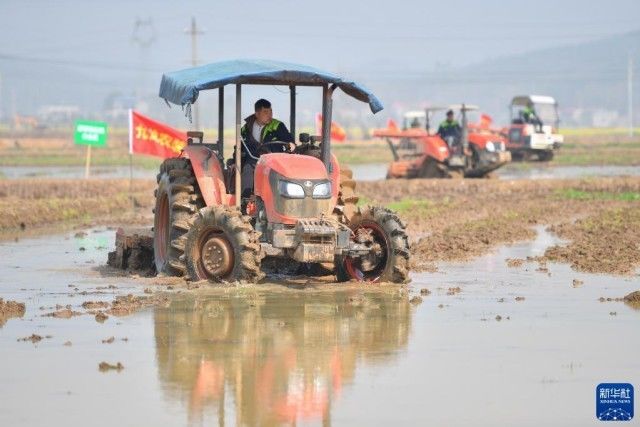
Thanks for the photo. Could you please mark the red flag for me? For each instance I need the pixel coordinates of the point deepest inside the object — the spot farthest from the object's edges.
(147, 136)
(485, 121)
(392, 125)
(337, 132)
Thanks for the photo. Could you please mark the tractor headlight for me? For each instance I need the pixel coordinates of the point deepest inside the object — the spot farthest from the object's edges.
(291, 190)
(322, 190)
(490, 147)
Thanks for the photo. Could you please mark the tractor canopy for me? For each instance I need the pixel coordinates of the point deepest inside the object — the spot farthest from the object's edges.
(546, 108)
(529, 100)
(182, 87)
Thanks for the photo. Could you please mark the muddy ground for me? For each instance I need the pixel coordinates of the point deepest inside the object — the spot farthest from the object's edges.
(446, 219)
(306, 351)
(459, 220)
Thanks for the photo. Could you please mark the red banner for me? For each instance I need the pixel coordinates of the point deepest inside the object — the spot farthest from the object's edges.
(337, 132)
(147, 136)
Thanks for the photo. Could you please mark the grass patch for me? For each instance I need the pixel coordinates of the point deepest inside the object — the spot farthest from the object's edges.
(597, 131)
(573, 194)
(410, 205)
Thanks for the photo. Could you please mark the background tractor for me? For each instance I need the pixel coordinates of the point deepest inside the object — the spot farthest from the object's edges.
(419, 152)
(533, 128)
(303, 207)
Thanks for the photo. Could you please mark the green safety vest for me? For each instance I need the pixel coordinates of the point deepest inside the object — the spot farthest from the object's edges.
(447, 124)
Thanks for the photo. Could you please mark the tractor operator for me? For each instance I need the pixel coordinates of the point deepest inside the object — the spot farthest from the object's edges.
(529, 115)
(450, 128)
(259, 129)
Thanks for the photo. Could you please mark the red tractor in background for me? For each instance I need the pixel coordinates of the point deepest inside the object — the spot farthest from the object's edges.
(533, 128)
(420, 153)
(303, 207)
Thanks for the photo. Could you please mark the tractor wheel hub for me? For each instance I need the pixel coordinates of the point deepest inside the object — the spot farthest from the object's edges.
(217, 256)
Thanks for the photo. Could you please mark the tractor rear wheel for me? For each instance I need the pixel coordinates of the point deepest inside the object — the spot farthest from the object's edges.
(221, 245)
(382, 231)
(177, 199)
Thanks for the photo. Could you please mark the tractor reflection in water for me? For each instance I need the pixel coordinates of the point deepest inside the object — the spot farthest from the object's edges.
(277, 358)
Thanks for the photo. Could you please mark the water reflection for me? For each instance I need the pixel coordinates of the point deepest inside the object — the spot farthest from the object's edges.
(274, 359)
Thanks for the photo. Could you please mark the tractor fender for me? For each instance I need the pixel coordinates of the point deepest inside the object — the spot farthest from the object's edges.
(208, 173)
(436, 147)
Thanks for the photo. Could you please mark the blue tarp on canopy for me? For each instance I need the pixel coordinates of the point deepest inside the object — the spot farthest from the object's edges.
(182, 87)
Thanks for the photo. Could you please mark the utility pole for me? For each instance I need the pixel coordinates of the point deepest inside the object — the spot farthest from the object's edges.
(630, 94)
(194, 33)
(143, 36)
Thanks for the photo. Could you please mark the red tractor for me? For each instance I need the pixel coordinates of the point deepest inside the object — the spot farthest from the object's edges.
(420, 153)
(303, 206)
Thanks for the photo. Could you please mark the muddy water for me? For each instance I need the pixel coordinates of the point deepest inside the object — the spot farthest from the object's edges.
(540, 171)
(272, 355)
(14, 172)
(376, 171)
(361, 172)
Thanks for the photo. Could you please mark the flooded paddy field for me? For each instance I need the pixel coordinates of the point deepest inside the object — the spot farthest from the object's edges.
(517, 171)
(482, 342)
(514, 314)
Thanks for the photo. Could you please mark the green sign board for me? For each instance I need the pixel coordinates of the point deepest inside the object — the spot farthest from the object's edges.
(90, 133)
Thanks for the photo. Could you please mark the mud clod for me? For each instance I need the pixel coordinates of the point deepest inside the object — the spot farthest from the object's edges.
(633, 298)
(34, 338)
(577, 283)
(425, 291)
(109, 340)
(9, 309)
(514, 262)
(454, 291)
(124, 305)
(101, 317)
(65, 313)
(95, 305)
(105, 367)
(520, 298)
(498, 318)
(416, 300)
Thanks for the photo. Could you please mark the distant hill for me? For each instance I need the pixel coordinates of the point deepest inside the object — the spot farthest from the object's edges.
(589, 77)
(589, 80)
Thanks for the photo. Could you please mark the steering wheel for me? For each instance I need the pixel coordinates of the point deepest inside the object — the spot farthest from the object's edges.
(265, 147)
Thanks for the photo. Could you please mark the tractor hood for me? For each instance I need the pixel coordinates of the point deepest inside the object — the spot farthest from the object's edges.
(294, 166)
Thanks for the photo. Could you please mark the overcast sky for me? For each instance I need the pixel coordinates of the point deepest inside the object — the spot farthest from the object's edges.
(370, 41)
(338, 35)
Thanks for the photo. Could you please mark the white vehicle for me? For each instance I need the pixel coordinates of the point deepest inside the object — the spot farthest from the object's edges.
(534, 125)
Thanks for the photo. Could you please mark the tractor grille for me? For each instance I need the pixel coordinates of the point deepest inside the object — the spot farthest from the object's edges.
(302, 208)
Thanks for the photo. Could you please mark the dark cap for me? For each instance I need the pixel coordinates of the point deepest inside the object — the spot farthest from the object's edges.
(450, 112)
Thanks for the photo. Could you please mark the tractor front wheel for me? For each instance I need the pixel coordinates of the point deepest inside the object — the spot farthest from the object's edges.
(222, 245)
(384, 234)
